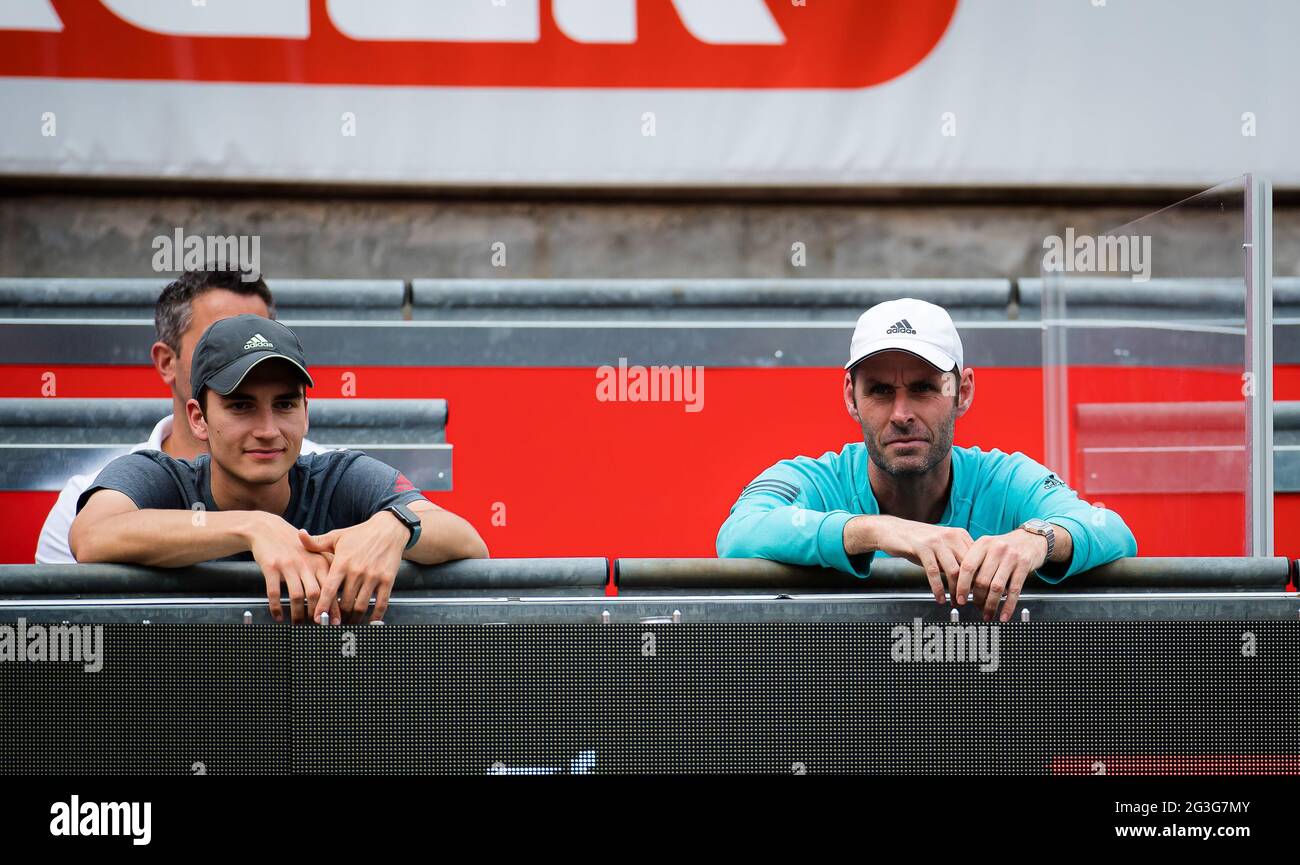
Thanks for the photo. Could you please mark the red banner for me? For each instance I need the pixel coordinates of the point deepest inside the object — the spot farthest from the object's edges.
(528, 43)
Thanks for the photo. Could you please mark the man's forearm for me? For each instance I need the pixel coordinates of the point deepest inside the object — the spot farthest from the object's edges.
(862, 534)
(168, 538)
(1063, 549)
(445, 537)
(1058, 563)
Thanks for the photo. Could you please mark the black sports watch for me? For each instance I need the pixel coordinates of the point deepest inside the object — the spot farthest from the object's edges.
(409, 519)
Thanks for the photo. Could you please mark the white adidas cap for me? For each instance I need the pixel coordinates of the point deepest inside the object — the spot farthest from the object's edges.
(910, 325)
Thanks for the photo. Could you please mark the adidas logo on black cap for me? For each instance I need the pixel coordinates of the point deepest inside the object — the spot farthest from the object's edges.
(901, 327)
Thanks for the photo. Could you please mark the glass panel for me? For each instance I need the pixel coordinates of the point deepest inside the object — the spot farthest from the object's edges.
(1144, 372)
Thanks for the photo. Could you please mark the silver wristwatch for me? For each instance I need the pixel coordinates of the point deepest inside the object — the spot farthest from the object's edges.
(1044, 528)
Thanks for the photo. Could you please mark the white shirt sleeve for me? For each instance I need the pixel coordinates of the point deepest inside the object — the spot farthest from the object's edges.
(52, 548)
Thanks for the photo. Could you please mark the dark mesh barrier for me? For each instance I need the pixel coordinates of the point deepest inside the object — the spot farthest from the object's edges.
(1018, 698)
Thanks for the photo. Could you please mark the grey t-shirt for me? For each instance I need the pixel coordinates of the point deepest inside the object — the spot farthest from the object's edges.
(327, 491)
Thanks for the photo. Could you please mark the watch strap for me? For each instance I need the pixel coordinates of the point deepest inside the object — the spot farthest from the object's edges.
(409, 519)
(1043, 529)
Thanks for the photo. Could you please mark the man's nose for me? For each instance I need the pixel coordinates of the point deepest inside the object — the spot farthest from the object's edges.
(265, 426)
(902, 413)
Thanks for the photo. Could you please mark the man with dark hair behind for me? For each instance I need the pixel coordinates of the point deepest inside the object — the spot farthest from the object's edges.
(182, 313)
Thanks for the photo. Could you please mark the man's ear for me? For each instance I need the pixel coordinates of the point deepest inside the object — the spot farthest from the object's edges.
(164, 362)
(850, 402)
(966, 394)
(198, 425)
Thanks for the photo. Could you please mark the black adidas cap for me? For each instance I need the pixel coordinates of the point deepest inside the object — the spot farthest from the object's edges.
(233, 346)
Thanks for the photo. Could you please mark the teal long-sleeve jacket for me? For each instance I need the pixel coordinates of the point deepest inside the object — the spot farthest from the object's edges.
(795, 511)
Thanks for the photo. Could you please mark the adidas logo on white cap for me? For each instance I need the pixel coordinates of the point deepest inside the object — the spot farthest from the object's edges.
(911, 325)
(257, 341)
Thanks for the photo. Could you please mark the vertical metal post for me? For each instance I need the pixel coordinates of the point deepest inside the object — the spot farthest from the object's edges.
(1056, 371)
(1259, 364)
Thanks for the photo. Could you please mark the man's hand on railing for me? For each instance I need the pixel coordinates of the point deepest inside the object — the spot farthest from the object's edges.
(280, 553)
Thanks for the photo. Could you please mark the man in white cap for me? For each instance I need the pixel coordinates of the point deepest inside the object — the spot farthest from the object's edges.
(982, 520)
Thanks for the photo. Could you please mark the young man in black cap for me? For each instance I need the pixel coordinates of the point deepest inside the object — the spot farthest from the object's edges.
(183, 312)
(321, 524)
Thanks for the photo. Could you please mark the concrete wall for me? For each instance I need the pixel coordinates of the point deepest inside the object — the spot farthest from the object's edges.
(63, 234)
